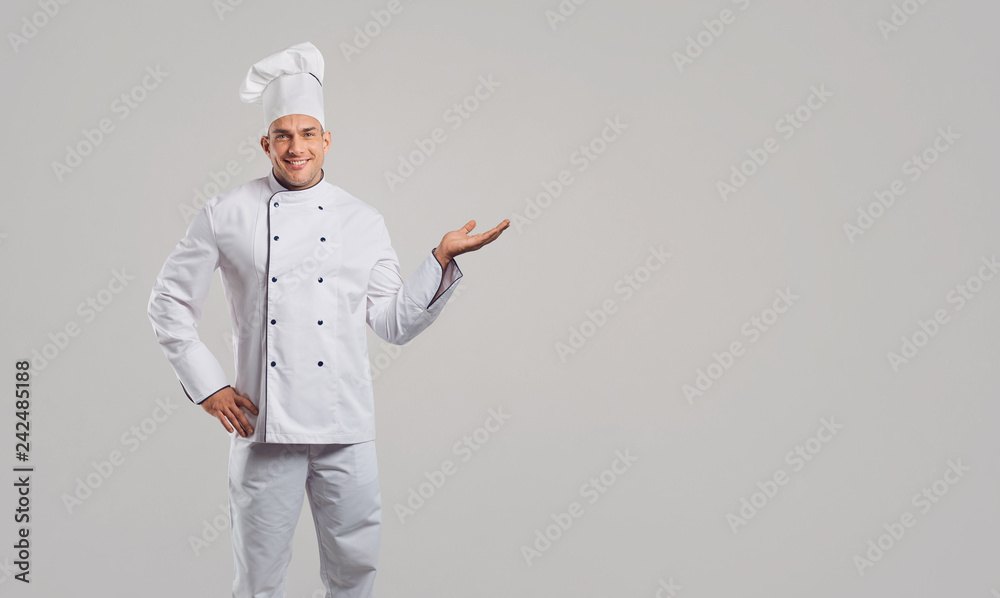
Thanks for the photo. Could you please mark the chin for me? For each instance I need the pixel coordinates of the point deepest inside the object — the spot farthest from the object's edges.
(298, 179)
(305, 179)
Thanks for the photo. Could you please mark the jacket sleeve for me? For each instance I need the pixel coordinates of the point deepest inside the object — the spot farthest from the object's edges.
(399, 311)
(176, 304)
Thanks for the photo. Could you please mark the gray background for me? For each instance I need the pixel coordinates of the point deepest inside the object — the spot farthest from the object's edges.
(495, 346)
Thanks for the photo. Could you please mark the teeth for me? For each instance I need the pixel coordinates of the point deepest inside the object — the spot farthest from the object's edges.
(297, 162)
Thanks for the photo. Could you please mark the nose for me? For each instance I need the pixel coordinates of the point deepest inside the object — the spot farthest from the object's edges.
(295, 145)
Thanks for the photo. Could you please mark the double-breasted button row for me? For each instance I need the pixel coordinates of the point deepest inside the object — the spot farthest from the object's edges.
(319, 279)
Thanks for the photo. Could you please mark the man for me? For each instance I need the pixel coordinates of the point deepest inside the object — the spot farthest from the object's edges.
(305, 266)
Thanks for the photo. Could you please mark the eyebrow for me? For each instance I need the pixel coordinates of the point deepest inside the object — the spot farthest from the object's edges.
(302, 130)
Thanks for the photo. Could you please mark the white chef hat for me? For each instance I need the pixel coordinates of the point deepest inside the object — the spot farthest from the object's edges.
(287, 82)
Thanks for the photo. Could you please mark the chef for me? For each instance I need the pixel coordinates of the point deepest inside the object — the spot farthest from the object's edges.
(305, 265)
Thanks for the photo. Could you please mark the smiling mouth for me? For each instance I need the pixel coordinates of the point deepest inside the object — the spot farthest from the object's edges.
(296, 163)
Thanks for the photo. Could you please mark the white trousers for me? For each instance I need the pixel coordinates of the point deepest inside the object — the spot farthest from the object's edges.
(266, 485)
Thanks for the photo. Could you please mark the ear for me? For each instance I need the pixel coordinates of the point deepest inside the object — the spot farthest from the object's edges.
(265, 144)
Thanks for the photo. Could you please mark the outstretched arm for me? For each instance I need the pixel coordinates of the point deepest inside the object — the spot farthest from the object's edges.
(399, 311)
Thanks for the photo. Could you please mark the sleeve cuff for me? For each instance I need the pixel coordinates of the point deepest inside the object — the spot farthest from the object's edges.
(449, 276)
(200, 374)
(424, 283)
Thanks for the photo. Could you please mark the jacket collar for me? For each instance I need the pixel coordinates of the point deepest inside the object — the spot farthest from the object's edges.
(298, 196)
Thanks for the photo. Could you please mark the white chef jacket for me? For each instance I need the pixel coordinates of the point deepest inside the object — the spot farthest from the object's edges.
(302, 271)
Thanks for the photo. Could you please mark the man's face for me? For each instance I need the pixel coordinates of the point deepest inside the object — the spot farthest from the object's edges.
(296, 145)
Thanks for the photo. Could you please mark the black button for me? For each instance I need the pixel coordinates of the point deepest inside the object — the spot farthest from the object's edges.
(320, 322)
(320, 207)
(321, 363)
(273, 364)
(275, 237)
(321, 279)
(273, 279)
(275, 204)
(322, 238)
(273, 321)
